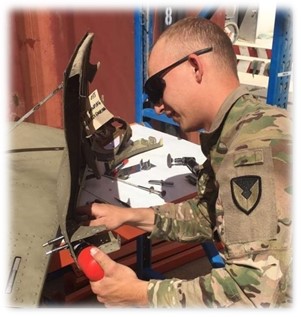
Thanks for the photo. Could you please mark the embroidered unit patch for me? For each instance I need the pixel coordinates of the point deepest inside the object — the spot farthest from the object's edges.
(246, 192)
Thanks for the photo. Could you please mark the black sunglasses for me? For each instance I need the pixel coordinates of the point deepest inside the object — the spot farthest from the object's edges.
(155, 85)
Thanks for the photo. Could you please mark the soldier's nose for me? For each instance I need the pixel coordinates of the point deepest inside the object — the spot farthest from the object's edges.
(159, 107)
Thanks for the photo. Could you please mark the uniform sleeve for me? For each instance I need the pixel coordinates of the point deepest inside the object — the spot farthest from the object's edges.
(183, 222)
(249, 284)
(214, 290)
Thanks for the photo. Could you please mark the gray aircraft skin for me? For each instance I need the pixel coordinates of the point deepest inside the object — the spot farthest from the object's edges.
(47, 168)
(34, 161)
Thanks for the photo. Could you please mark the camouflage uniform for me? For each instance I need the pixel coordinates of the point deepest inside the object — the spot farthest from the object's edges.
(244, 195)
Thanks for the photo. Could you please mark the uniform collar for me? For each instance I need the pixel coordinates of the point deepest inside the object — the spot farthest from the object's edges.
(209, 138)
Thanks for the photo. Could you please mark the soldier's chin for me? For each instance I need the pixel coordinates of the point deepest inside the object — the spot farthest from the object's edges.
(186, 128)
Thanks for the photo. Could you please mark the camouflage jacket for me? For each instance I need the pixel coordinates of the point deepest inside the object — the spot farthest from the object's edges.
(244, 195)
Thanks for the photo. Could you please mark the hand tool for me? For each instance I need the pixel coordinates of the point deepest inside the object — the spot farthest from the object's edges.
(127, 171)
(160, 182)
(86, 262)
(149, 189)
(117, 169)
(190, 162)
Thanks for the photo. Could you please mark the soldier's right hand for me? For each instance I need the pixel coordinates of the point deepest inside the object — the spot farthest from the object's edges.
(106, 215)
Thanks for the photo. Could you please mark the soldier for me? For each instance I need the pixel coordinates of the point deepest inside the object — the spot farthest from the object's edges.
(244, 186)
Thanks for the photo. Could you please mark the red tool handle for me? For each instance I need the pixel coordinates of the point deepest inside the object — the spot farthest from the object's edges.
(89, 266)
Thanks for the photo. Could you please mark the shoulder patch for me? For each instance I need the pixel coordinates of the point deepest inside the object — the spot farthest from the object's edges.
(246, 192)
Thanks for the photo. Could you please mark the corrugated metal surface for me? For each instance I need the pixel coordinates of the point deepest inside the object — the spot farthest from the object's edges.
(41, 45)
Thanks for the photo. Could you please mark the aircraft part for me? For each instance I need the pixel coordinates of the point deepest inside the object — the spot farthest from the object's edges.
(48, 171)
(33, 213)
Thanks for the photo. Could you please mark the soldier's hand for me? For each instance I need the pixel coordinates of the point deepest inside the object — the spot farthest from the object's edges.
(120, 285)
(107, 215)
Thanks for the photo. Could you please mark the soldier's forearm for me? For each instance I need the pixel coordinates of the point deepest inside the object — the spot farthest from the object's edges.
(183, 222)
(142, 218)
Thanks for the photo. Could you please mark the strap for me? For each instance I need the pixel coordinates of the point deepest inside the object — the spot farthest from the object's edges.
(111, 138)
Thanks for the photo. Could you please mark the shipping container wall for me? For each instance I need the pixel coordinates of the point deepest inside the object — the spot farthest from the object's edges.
(41, 43)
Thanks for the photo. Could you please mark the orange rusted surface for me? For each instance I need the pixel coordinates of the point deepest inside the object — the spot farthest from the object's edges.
(41, 44)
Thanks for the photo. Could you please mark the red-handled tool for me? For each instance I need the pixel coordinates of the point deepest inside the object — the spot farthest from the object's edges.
(85, 260)
(87, 263)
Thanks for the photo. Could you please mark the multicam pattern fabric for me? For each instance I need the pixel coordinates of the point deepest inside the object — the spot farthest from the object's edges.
(249, 143)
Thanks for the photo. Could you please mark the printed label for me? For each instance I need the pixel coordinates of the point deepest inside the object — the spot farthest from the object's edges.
(97, 114)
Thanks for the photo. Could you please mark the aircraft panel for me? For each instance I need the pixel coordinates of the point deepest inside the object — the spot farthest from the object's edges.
(34, 159)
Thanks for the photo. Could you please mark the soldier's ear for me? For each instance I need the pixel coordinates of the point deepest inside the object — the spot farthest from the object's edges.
(197, 67)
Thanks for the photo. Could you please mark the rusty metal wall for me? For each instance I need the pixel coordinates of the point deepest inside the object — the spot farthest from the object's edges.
(41, 43)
